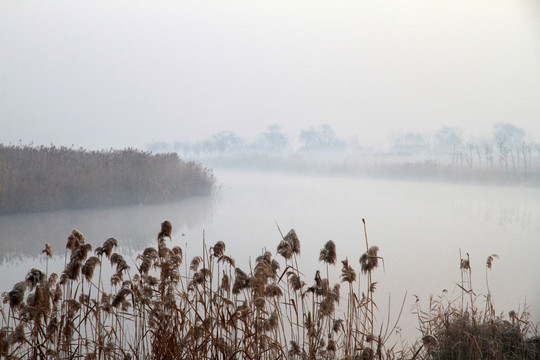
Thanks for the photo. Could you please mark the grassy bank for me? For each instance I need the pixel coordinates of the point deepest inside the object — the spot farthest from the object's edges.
(161, 306)
(52, 178)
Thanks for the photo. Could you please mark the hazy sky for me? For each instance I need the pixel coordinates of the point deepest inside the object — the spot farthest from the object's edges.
(126, 73)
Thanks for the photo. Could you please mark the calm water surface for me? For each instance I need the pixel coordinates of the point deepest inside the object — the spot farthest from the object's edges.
(420, 229)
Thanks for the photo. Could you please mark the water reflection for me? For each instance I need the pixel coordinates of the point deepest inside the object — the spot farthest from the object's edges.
(23, 236)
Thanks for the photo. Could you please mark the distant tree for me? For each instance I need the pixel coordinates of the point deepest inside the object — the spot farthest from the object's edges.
(323, 138)
(448, 139)
(487, 148)
(508, 134)
(219, 143)
(508, 138)
(272, 140)
(411, 142)
(227, 141)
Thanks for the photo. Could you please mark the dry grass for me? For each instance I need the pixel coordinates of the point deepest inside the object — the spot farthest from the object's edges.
(162, 306)
(51, 178)
(467, 327)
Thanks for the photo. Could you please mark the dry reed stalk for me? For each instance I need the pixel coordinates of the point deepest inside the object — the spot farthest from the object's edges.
(223, 312)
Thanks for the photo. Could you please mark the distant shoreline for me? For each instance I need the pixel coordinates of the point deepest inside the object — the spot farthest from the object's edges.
(381, 167)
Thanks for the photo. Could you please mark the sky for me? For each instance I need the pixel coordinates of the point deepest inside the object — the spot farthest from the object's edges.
(102, 74)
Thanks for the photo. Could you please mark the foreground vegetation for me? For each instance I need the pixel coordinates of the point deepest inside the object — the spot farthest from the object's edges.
(52, 178)
(166, 308)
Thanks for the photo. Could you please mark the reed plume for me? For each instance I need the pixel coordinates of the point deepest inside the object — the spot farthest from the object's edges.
(120, 262)
(285, 249)
(227, 259)
(121, 296)
(347, 272)
(218, 249)
(272, 290)
(34, 277)
(241, 281)
(328, 253)
(89, 266)
(369, 260)
(107, 247)
(293, 240)
(166, 230)
(16, 296)
(294, 281)
(47, 251)
(490, 259)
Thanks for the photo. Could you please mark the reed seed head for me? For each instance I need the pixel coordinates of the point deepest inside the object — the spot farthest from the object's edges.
(331, 347)
(16, 296)
(218, 249)
(259, 303)
(285, 249)
(121, 297)
(272, 321)
(347, 272)
(292, 239)
(328, 253)
(326, 307)
(227, 259)
(369, 260)
(166, 230)
(107, 247)
(337, 325)
(490, 259)
(367, 354)
(294, 281)
(47, 251)
(34, 277)
(241, 281)
(18, 336)
(429, 341)
(194, 265)
(272, 290)
(89, 266)
(295, 349)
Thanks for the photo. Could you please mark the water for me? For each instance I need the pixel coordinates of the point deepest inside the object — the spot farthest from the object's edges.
(419, 227)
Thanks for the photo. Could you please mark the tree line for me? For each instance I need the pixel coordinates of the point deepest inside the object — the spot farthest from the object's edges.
(51, 178)
(507, 148)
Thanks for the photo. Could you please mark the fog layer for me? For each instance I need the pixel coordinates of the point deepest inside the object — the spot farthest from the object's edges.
(115, 74)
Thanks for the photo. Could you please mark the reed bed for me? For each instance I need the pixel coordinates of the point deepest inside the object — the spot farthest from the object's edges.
(468, 327)
(51, 178)
(162, 306)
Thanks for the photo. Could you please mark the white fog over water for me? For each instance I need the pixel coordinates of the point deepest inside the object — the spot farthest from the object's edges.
(419, 227)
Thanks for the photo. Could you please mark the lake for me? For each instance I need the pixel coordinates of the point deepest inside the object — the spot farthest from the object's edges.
(420, 228)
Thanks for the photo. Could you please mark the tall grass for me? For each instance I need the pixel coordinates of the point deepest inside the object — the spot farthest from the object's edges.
(50, 178)
(162, 306)
(468, 327)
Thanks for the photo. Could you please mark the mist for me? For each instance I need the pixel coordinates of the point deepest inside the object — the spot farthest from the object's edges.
(113, 74)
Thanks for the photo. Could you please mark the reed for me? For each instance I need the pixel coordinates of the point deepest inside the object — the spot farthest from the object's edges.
(51, 178)
(464, 328)
(153, 307)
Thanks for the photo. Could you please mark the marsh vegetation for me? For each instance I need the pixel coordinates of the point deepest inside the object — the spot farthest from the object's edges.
(51, 178)
(163, 306)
